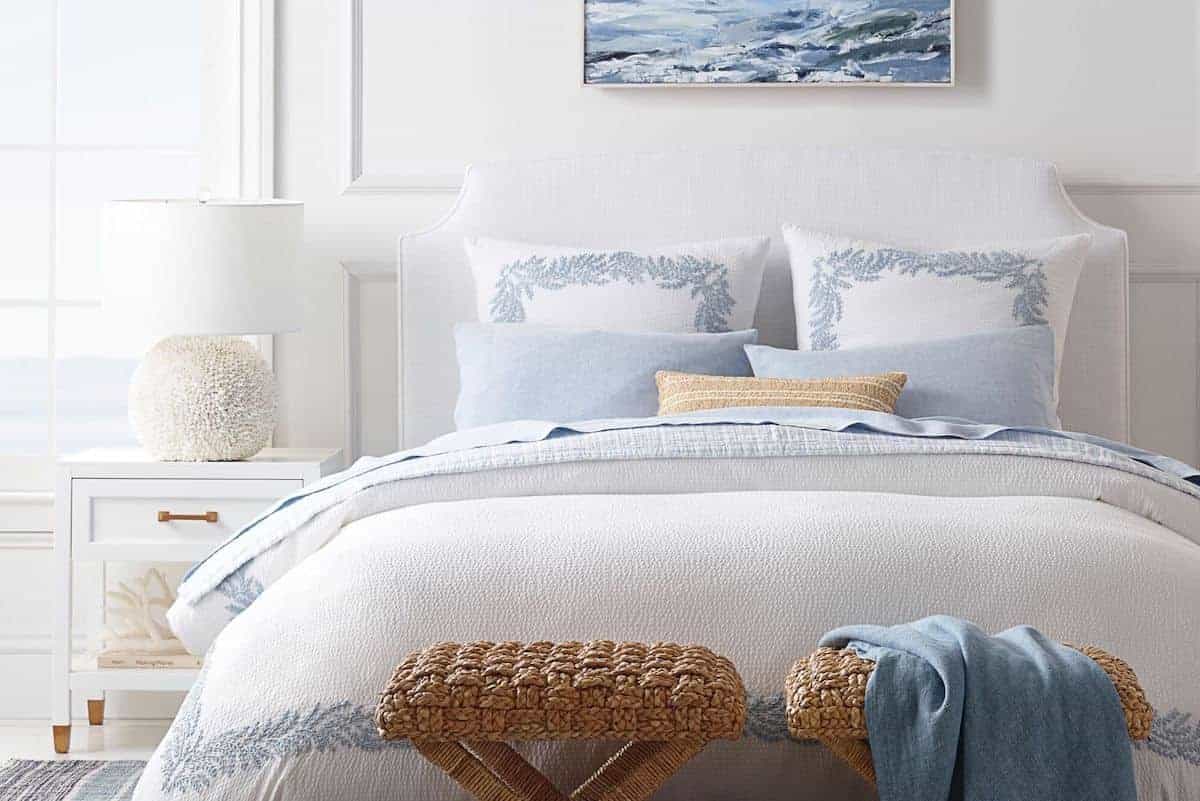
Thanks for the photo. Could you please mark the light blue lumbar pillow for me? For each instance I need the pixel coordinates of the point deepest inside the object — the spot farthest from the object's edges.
(528, 372)
(1004, 377)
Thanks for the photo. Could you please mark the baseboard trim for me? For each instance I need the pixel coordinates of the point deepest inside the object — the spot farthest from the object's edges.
(26, 540)
(26, 519)
(36, 645)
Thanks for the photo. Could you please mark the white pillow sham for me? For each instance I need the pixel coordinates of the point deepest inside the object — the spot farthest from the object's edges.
(707, 287)
(853, 293)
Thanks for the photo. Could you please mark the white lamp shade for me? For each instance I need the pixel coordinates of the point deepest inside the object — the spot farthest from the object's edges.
(199, 268)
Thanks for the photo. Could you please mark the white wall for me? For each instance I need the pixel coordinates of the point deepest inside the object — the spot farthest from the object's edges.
(1109, 91)
(1086, 83)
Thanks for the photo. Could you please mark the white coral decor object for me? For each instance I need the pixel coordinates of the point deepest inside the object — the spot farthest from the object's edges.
(198, 399)
(137, 615)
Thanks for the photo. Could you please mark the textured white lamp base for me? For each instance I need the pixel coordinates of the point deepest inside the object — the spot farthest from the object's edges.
(203, 399)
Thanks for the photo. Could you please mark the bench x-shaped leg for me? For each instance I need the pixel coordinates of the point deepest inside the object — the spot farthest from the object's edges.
(493, 771)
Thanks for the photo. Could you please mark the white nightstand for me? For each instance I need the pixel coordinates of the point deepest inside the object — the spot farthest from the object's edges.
(121, 506)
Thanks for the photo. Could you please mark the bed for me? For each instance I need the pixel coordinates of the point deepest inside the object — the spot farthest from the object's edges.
(752, 531)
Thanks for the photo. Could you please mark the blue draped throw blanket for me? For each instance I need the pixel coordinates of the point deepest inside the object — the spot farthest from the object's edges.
(953, 713)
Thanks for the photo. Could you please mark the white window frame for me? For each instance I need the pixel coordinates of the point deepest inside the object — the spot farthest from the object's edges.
(238, 99)
(237, 160)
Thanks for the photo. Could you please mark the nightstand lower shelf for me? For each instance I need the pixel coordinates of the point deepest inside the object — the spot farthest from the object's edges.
(95, 682)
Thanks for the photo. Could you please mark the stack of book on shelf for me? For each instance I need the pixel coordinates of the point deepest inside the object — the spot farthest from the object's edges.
(129, 658)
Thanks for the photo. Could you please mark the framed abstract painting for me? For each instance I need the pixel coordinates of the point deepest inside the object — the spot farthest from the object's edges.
(768, 42)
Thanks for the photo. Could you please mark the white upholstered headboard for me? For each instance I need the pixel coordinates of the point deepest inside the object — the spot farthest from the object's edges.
(932, 199)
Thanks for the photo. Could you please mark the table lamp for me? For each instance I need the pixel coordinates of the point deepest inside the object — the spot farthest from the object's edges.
(202, 274)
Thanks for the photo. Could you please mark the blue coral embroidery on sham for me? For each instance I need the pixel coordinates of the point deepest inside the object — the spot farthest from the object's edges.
(1174, 736)
(839, 270)
(241, 589)
(706, 280)
(192, 761)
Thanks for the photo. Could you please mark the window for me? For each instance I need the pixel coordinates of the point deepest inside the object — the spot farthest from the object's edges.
(102, 101)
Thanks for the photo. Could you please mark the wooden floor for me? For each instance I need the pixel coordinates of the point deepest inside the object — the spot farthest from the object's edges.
(116, 739)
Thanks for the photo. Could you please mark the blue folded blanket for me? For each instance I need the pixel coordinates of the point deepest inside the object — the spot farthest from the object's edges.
(953, 713)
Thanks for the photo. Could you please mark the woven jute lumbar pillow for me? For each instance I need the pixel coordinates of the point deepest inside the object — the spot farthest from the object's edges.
(685, 392)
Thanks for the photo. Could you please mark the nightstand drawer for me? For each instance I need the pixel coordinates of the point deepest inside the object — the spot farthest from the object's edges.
(120, 511)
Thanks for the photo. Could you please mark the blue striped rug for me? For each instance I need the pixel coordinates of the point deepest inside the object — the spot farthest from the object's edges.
(68, 780)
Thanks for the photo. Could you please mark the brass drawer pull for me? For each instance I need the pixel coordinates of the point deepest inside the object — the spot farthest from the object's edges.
(167, 517)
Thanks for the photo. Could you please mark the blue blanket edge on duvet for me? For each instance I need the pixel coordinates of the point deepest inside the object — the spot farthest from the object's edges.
(827, 419)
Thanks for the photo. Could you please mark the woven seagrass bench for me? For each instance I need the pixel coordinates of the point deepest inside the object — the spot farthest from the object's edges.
(826, 691)
(459, 704)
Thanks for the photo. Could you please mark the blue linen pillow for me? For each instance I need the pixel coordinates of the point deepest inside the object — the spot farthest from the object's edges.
(1004, 377)
(529, 372)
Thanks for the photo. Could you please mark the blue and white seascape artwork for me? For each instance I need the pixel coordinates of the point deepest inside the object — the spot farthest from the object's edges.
(768, 41)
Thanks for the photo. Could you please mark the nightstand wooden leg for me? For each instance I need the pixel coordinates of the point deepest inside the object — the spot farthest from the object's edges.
(60, 656)
(62, 738)
(95, 711)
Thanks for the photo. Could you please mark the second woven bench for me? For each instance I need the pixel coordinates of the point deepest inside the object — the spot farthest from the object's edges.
(827, 690)
(460, 703)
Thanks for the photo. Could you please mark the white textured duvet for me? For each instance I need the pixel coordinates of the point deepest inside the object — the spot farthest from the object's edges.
(284, 708)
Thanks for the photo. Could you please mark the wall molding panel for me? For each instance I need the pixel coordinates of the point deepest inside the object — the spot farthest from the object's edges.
(1163, 273)
(26, 540)
(359, 176)
(369, 350)
(1165, 357)
(26, 516)
(1085, 188)
(35, 644)
(423, 177)
(353, 97)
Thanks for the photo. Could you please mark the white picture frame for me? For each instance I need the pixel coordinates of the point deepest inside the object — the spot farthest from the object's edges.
(950, 81)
